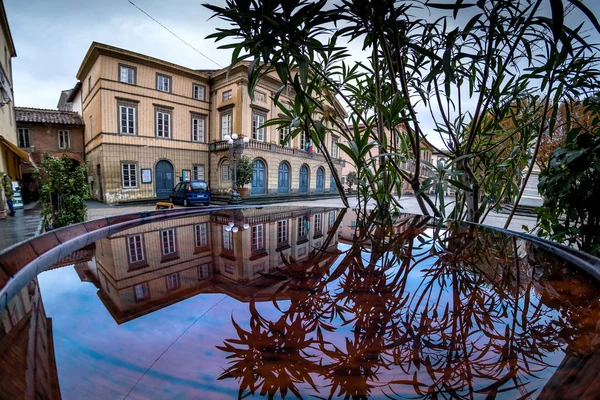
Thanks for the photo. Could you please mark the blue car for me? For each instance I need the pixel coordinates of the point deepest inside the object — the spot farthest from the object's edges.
(190, 193)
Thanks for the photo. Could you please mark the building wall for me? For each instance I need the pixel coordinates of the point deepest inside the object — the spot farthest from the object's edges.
(9, 162)
(110, 155)
(44, 139)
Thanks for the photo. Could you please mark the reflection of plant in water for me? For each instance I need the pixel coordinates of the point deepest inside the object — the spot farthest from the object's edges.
(453, 317)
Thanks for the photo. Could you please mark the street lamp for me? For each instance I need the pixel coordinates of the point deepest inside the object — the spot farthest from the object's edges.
(236, 222)
(236, 148)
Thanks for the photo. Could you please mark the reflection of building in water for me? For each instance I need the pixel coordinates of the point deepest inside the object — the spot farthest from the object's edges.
(148, 267)
(27, 363)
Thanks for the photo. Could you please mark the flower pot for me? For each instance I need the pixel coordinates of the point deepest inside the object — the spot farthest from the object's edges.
(243, 192)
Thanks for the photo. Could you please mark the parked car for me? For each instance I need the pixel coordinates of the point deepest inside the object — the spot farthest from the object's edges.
(189, 193)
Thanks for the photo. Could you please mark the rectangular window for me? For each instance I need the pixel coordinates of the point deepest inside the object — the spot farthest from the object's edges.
(282, 232)
(127, 115)
(203, 271)
(64, 141)
(89, 85)
(198, 129)
(129, 177)
(227, 239)
(135, 246)
(229, 268)
(91, 130)
(301, 228)
(163, 124)
(258, 132)
(198, 172)
(284, 134)
(257, 269)
(200, 233)
(227, 95)
(226, 124)
(303, 141)
(24, 138)
(163, 83)
(331, 219)
(168, 242)
(173, 281)
(198, 91)
(141, 291)
(318, 224)
(127, 74)
(258, 238)
(334, 147)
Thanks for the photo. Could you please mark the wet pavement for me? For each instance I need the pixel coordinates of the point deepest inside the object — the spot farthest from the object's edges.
(23, 226)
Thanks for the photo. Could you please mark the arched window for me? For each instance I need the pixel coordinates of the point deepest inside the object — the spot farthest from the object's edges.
(320, 179)
(226, 172)
(283, 180)
(303, 179)
(258, 177)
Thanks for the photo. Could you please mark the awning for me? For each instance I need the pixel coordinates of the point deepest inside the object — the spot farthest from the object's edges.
(15, 149)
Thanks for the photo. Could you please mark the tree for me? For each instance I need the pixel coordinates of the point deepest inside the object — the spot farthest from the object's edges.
(244, 171)
(472, 68)
(570, 185)
(63, 192)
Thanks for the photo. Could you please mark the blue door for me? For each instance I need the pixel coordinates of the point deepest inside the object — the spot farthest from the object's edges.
(258, 177)
(283, 182)
(304, 179)
(164, 178)
(332, 186)
(320, 180)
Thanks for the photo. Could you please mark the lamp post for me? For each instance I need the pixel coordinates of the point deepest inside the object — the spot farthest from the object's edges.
(236, 148)
(236, 222)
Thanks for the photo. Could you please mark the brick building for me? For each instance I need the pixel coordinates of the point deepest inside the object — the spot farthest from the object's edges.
(55, 132)
(150, 123)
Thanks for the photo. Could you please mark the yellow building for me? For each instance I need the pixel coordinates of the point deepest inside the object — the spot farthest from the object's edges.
(151, 123)
(10, 153)
(233, 252)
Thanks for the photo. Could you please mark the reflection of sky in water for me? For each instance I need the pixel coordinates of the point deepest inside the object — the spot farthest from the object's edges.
(96, 358)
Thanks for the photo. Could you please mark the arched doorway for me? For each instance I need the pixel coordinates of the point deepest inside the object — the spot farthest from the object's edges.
(258, 177)
(164, 178)
(303, 179)
(283, 180)
(320, 179)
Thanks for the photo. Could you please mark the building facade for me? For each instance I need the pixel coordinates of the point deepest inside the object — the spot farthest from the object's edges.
(151, 266)
(151, 123)
(54, 132)
(11, 156)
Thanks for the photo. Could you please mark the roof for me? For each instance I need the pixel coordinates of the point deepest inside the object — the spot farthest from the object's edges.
(62, 100)
(43, 116)
(96, 49)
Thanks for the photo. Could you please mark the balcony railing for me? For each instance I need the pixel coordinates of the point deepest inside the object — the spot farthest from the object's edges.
(273, 148)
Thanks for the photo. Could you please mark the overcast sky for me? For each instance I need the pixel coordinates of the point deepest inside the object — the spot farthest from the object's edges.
(52, 37)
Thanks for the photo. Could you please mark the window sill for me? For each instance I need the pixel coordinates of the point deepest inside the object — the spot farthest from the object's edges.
(169, 257)
(137, 266)
(302, 240)
(258, 255)
(283, 246)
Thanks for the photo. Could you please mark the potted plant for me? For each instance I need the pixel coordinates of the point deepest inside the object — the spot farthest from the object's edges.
(351, 178)
(244, 175)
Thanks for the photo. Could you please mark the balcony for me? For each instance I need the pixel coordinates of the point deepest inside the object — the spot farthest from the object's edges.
(273, 148)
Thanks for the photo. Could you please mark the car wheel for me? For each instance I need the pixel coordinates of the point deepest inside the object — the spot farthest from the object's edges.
(206, 204)
(171, 199)
(185, 202)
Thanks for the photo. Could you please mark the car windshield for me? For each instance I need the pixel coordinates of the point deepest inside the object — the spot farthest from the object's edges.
(199, 185)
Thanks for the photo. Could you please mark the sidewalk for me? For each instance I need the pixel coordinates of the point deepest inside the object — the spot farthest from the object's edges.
(24, 225)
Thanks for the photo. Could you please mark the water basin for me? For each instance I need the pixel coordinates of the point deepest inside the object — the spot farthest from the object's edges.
(296, 303)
